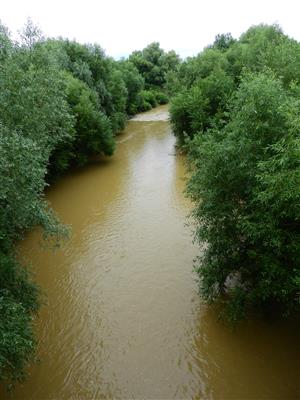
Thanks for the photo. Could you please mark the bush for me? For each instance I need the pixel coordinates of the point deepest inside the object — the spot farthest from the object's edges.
(17, 343)
(202, 106)
(134, 85)
(161, 97)
(93, 128)
(147, 100)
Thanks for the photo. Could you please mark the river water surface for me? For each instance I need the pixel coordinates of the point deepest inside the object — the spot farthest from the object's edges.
(122, 317)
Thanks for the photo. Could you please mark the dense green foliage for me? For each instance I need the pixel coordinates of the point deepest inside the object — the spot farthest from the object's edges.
(60, 102)
(237, 111)
(154, 64)
(246, 187)
(34, 119)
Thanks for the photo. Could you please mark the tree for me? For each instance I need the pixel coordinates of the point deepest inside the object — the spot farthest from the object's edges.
(201, 107)
(223, 41)
(93, 128)
(34, 119)
(153, 64)
(134, 83)
(5, 43)
(245, 187)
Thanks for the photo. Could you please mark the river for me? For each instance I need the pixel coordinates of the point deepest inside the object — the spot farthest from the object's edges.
(122, 317)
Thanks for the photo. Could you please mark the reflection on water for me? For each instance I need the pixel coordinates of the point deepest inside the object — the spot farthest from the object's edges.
(123, 318)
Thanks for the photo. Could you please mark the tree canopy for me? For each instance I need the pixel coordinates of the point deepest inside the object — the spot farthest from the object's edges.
(236, 113)
(61, 102)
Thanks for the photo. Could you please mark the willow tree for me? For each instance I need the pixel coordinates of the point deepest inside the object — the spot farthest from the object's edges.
(245, 185)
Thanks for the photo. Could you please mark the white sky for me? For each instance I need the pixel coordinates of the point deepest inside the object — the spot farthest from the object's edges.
(123, 26)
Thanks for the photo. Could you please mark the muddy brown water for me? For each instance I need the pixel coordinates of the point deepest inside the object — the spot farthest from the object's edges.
(123, 318)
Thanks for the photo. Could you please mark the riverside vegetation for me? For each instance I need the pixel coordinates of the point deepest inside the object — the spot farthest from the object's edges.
(60, 102)
(235, 111)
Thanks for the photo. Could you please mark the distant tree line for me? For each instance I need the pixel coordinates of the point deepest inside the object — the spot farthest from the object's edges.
(236, 112)
(60, 103)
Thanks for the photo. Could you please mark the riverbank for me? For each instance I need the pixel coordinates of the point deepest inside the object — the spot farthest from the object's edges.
(123, 318)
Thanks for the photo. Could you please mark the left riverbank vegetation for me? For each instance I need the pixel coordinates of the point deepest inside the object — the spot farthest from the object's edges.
(61, 102)
(236, 112)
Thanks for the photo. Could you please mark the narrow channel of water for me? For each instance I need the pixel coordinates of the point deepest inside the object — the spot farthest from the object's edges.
(122, 317)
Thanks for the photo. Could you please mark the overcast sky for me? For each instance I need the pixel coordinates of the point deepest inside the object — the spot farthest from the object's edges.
(123, 26)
